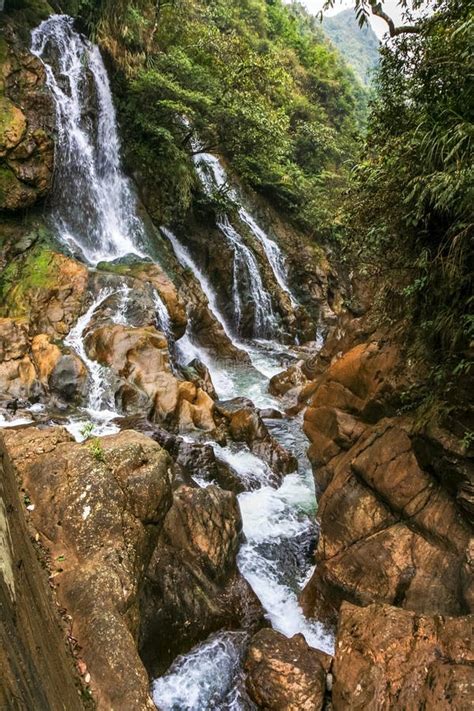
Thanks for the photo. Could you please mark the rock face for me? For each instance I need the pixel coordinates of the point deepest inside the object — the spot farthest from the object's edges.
(46, 289)
(390, 530)
(37, 368)
(99, 508)
(37, 670)
(192, 585)
(26, 126)
(285, 674)
(388, 658)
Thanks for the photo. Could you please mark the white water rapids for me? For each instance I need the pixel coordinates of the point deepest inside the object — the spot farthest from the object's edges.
(94, 213)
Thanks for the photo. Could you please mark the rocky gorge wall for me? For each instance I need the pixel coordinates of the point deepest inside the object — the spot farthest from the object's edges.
(134, 548)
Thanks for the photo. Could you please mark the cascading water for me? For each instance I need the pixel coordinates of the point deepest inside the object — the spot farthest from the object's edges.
(273, 252)
(94, 208)
(94, 211)
(100, 409)
(246, 273)
(212, 175)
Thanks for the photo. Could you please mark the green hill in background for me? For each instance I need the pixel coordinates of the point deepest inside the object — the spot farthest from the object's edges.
(359, 47)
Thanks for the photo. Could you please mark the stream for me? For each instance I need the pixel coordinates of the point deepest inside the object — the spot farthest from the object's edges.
(98, 220)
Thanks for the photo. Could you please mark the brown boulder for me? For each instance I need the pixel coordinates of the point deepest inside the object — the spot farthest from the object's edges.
(285, 674)
(387, 658)
(140, 357)
(282, 383)
(244, 424)
(37, 368)
(98, 507)
(192, 586)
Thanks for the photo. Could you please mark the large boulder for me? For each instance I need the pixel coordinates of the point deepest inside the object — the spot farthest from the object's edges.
(32, 368)
(98, 507)
(391, 525)
(387, 658)
(139, 357)
(37, 668)
(243, 423)
(285, 674)
(192, 585)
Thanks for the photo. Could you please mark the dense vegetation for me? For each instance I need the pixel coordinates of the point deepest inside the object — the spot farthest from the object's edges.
(411, 203)
(358, 46)
(259, 81)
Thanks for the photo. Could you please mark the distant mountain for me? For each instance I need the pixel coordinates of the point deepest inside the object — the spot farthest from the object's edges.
(359, 47)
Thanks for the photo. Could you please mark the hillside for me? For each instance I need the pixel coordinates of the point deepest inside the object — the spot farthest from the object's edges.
(358, 46)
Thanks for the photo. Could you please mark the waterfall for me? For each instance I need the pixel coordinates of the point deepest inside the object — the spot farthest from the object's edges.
(94, 209)
(212, 175)
(98, 397)
(273, 253)
(186, 260)
(162, 316)
(247, 274)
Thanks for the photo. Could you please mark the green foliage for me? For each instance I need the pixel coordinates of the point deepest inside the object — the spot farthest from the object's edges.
(410, 207)
(96, 449)
(257, 79)
(87, 429)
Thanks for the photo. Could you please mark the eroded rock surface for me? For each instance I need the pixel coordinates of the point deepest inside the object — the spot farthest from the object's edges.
(387, 658)
(26, 127)
(98, 507)
(192, 584)
(285, 674)
(36, 669)
(391, 531)
(36, 368)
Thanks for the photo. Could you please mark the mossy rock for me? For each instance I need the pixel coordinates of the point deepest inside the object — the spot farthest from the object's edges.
(14, 195)
(12, 125)
(35, 270)
(34, 11)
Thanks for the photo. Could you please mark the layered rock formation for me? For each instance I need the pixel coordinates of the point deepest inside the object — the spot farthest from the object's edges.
(391, 530)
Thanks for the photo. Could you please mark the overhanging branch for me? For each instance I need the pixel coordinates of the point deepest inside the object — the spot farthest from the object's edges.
(393, 30)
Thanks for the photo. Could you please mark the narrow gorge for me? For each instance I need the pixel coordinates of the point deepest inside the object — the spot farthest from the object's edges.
(220, 486)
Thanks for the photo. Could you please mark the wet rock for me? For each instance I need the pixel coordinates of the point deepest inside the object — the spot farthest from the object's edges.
(98, 507)
(292, 377)
(140, 357)
(61, 373)
(199, 461)
(244, 424)
(389, 531)
(37, 368)
(192, 584)
(154, 275)
(387, 658)
(285, 674)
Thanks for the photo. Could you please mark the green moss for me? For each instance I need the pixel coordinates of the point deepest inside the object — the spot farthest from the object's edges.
(35, 270)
